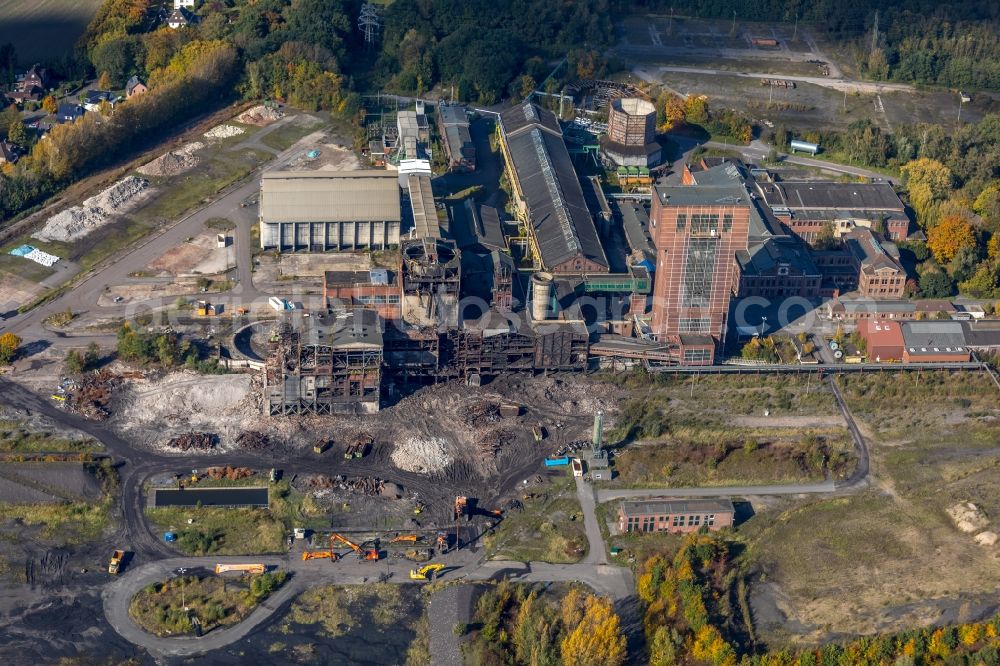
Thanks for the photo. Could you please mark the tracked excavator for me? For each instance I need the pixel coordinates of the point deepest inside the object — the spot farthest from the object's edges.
(370, 554)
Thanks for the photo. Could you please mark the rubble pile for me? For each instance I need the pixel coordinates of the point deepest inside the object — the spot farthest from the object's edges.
(424, 455)
(481, 413)
(229, 473)
(492, 441)
(252, 440)
(371, 486)
(260, 116)
(76, 222)
(193, 441)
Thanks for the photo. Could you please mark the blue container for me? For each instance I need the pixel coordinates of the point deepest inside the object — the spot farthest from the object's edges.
(556, 462)
(169, 537)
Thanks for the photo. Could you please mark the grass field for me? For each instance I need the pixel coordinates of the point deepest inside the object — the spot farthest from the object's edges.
(44, 28)
(18, 437)
(890, 558)
(548, 529)
(165, 608)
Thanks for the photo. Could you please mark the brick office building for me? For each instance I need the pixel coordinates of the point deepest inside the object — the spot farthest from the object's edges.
(697, 231)
(675, 516)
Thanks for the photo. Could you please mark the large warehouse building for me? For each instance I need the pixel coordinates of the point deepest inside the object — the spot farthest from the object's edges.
(547, 194)
(336, 211)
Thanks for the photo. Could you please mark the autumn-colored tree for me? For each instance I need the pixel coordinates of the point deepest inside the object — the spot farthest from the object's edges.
(987, 204)
(572, 607)
(949, 236)
(104, 81)
(597, 640)
(8, 346)
(526, 85)
(927, 181)
(50, 104)
(993, 247)
(984, 282)
(696, 109)
(673, 111)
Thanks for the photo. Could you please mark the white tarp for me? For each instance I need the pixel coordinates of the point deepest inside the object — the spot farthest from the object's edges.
(43, 258)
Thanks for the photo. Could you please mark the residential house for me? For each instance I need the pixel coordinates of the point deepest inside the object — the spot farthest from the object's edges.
(675, 516)
(8, 152)
(31, 86)
(135, 86)
(68, 112)
(93, 99)
(179, 18)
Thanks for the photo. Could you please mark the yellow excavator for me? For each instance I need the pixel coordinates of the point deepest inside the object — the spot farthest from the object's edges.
(426, 572)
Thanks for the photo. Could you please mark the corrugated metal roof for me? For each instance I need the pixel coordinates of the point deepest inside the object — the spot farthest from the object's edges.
(562, 224)
(453, 115)
(335, 196)
(425, 218)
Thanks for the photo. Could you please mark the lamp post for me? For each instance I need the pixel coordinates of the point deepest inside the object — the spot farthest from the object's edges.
(763, 320)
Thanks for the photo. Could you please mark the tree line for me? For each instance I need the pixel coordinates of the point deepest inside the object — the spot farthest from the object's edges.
(690, 618)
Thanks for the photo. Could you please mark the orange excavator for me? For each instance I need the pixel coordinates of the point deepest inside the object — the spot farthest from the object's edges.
(370, 554)
(404, 538)
(321, 554)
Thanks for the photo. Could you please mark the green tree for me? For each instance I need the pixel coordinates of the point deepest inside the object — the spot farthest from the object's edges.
(74, 362)
(984, 282)
(18, 133)
(935, 284)
(92, 356)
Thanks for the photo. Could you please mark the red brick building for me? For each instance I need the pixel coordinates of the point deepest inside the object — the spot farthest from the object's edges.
(675, 516)
(376, 289)
(883, 339)
(697, 231)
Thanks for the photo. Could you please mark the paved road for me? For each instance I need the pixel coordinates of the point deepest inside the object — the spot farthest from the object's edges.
(83, 298)
(653, 74)
(615, 582)
(721, 491)
(597, 553)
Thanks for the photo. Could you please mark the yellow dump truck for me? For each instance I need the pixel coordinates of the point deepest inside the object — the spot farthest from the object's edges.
(116, 562)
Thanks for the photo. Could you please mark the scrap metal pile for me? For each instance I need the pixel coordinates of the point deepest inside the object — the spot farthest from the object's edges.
(252, 440)
(230, 473)
(371, 486)
(93, 395)
(193, 441)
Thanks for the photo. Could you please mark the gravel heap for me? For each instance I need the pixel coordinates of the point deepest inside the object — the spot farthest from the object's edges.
(260, 116)
(76, 222)
(224, 132)
(174, 162)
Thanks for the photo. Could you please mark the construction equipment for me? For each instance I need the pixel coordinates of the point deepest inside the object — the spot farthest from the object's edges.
(370, 554)
(246, 568)
(404, 538)
(319, 555)
(359, 447)
(461, 506)
(426, 572)
(321, 446)
(418, 508)
(442, 543)
(537, 433)
(116, 561)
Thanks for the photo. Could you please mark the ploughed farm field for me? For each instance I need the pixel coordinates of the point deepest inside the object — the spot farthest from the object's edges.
(44, 28)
